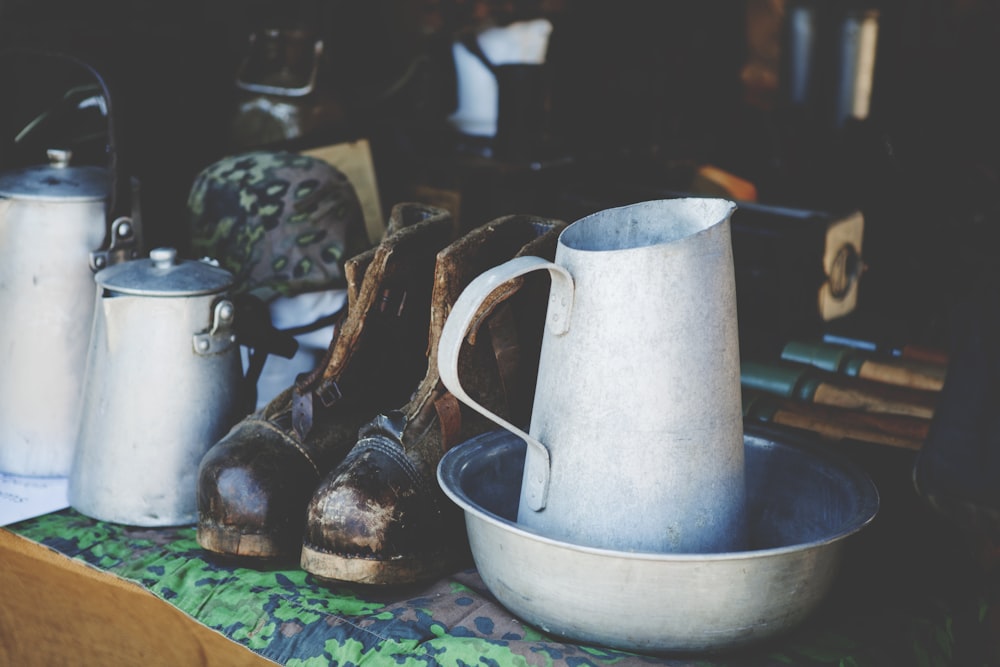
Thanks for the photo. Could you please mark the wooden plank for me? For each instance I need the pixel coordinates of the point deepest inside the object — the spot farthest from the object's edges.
(55, 610)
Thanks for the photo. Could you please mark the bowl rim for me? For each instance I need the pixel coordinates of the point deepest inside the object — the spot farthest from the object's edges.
(869, 501)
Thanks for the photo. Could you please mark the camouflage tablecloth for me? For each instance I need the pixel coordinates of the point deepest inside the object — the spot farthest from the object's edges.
(293, 619)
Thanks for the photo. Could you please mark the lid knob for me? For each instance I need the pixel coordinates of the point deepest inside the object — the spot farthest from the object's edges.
(59, 157)
(163, 258)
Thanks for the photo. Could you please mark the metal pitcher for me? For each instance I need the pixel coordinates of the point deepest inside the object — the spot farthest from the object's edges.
(163, 383)
(58, 222)
(636, 435)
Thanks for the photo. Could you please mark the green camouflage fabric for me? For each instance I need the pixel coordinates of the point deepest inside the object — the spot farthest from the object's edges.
(289, 617)
(283, 223)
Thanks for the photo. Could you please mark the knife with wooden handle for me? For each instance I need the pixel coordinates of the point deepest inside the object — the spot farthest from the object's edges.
(911, 351)
(810, 385)
(851, 362)
(832, 423)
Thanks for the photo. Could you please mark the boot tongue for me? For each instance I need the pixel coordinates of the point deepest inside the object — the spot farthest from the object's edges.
(387, 425)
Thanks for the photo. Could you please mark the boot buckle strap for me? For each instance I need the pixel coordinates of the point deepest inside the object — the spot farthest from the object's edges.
(304, 402)
(449, 414)
(302, 412)
(328, 393)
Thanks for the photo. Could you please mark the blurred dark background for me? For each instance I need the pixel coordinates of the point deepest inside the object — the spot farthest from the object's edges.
(640, 90)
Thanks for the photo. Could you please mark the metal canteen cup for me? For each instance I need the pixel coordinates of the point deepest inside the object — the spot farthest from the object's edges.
(58, 222)
(162, 385)
(636, 434)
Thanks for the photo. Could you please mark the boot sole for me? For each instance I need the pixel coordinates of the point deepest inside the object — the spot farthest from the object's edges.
(231, 541)
(389, 570)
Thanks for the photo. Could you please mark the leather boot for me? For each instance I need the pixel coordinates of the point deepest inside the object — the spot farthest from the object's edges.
(254, 484)
(380, 517)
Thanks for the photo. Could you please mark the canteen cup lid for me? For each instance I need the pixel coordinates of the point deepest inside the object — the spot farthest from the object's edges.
(56, 181)
(162, 274)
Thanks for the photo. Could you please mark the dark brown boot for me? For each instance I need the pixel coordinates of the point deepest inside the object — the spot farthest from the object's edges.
(380, 516)
(254, 484)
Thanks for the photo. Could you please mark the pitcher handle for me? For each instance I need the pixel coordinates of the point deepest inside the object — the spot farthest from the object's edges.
(456, 327)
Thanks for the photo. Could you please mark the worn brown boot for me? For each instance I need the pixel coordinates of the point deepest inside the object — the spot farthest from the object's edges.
(380, 516)
(254, 484)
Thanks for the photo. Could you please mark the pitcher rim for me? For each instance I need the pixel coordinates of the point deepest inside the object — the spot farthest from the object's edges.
(715, 211)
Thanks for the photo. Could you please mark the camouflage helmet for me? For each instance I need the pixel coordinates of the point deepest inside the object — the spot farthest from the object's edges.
(283, 223)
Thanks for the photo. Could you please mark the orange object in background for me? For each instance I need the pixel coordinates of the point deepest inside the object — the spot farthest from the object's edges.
(712, 180)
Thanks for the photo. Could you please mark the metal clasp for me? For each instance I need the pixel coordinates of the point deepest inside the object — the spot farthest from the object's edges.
(121, 247)
(221, 337)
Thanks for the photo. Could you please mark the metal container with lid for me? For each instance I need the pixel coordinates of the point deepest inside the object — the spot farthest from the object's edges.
(55, 226)
(163, 383)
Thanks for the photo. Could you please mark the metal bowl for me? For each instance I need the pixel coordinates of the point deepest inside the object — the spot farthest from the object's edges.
(803, 501)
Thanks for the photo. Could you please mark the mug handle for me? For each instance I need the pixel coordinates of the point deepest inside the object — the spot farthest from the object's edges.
(456, 327)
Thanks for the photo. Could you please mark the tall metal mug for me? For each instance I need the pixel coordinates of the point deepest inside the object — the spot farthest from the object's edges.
(59, 222)
(163, 383)
(636, 434)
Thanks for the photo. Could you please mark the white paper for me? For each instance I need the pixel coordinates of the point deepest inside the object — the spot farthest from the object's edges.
(27, 497)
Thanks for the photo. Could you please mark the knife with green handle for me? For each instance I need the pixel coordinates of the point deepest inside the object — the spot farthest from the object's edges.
(855, 363)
